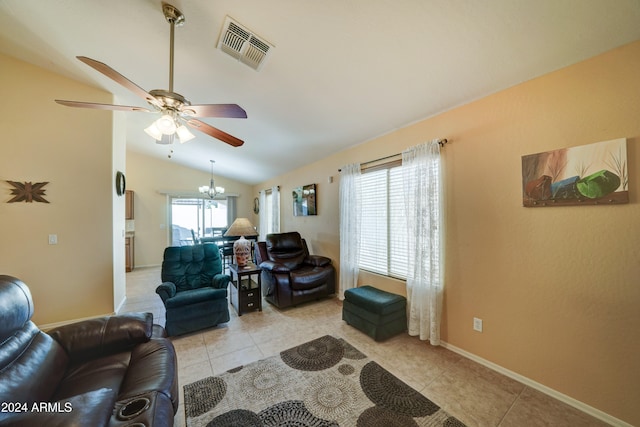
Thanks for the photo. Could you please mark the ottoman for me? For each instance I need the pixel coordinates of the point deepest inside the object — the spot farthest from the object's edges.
(377, 313)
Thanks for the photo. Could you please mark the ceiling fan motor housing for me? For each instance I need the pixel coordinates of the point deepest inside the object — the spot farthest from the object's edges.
(172, 14)
(170, 100)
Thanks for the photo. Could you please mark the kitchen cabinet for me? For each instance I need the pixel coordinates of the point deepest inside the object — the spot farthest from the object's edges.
(129, 254)
(128, 241)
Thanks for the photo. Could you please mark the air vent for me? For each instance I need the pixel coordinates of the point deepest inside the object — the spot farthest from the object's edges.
(241, 43)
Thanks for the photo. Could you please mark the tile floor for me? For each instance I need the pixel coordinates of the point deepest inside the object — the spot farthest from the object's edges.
(471, 392)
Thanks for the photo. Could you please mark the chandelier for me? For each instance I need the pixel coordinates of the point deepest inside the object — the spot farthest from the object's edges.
(210, 190)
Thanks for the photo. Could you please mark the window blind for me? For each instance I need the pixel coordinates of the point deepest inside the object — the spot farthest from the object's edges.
(383, 240)
(373, 239)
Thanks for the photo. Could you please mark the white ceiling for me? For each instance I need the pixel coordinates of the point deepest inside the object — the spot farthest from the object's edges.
(342, 71)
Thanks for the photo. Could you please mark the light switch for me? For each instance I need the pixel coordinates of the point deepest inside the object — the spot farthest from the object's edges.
(53, 239)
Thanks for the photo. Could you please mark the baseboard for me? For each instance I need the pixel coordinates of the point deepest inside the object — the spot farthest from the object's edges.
(49, 326)
(603, 416)
(147, 266)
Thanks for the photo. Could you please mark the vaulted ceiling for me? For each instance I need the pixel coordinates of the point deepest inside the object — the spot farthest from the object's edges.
(340, 72)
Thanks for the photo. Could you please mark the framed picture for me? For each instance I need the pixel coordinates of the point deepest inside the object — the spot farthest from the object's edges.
(589, 174)
(304, 200)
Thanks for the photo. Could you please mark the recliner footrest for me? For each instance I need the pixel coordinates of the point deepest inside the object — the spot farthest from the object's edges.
(377, 313)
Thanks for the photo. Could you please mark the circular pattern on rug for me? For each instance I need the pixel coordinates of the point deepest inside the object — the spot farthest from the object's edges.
(453, 422)
(203, 395)
(350, 352)
(263, 380)
(292, 413)
(316, 355)
(236, 418)
(346, 369)
(380, 417)
(330, 397)
(387, 391)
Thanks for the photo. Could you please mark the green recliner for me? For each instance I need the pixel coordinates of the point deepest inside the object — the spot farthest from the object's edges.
(193, 289)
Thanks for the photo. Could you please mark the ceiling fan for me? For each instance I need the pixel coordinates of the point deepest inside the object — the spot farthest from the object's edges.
(176, 111)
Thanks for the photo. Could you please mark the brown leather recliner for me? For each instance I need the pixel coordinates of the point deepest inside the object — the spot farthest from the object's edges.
(290, 276)
(108, 371)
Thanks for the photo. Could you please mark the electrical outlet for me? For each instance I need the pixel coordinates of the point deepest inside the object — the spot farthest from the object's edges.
(477, 324)
(53, 239)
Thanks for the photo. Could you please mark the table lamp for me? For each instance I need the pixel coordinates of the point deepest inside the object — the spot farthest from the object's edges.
(242, 247)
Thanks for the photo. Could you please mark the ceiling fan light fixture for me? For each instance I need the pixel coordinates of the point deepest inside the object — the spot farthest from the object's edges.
(154, 132)
(166, 124)
(183, 134)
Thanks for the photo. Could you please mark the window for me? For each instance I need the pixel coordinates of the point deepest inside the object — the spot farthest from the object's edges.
(383, 247)
(269, 211)
(195, 217)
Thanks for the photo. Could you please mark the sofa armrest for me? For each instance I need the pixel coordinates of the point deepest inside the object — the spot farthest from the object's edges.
(166, 290)
(93, 338)
(317, 260)
(274, 267)
(220, 281)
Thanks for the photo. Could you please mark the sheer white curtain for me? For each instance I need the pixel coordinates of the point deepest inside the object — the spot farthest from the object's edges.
(232, 210)
(269, 212)
(350, 220)
(275, 209)
(421, 168)
(263, 216)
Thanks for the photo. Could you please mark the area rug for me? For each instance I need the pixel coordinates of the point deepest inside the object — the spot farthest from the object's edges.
(325, 382)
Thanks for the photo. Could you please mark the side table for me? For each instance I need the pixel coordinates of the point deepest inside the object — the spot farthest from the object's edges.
(246, 295)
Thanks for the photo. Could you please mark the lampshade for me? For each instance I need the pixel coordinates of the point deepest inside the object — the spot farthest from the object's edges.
(164, 129)
(154, 132)
(241, 227)
(241, 247)
(166, 124)
(184, 134)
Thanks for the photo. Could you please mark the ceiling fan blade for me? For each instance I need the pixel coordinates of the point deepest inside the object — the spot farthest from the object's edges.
(97, 106)
(214, 132)
(232, 111)
(119, 78)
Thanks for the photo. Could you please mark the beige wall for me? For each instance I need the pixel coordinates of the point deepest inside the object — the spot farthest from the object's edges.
(557, 288)
(147, 177)
(72, 150)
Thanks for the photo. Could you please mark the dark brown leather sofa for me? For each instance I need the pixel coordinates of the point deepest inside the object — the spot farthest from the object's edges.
(290, 276)
(109, 371)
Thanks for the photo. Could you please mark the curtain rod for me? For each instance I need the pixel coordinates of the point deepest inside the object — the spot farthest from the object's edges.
(441, 142)
(266, 189)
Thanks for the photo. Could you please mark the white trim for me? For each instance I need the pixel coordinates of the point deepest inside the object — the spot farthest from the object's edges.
(603, 416)
(124, 300)
(195, 195)
(148, 266)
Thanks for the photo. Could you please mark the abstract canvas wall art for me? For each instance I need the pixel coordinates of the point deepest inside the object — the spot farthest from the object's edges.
(591, 174)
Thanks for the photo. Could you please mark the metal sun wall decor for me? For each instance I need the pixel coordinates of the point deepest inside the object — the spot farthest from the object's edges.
(28, 192)
(304, 200)
(591, 174)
